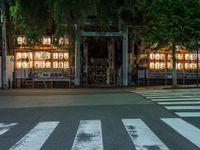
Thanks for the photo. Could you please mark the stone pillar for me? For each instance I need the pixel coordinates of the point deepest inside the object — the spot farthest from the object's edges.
(125, 58)
(77, 58)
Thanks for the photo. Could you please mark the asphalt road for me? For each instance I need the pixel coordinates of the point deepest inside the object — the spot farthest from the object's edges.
(90, 120)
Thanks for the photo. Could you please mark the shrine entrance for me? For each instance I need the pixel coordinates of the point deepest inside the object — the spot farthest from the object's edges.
(101, 61)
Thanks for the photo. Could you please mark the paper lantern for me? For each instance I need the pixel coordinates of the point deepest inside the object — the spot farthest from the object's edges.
(19, 65)
(55, 55)
(24, 55)
(24, 65)
(157, 65)
(157, 56)
(18, 56)
(66, 65)
(193, 56)
(187, 66)
(152, 56)
(179, 56)
(162, 56)
(179, 66)
(61, 41)
(30, 64)
(169, 57)
(152, 65)
(187, 57)
(19, 40)
(193, 66)
(60, 55)
(169, 65)
(30, 55)
(48, 64)
(55, 64)
(46, 40)
(66, 55)
(47, 55)
(60, 64)
(162, 65)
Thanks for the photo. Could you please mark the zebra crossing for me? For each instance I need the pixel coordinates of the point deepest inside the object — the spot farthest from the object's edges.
(182, 102)
(89, 135)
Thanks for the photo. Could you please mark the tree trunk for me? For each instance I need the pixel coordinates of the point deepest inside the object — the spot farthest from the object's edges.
(4, 46)
(174, 75)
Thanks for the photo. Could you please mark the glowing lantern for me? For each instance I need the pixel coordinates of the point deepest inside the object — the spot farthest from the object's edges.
(157, 65)
(61, 41)
(24, 64)
(169, 56)
(55, 64)
(60, 64)
(48, 64)
(162, 56)
(55, 55)
(187, 66)
(66, 65)
(179, 66)
(30, 55)
(46, 40)
(193, 65)
(169, 65)
(193, 56)
(66, 55)
(60, 55)
(152, 56)
(179, 56)
(157, 56)
(152, 65)
(187, 57)
(24, 55)
(19, 64)
(18, 56)
(162, 65)
(47, 55)
(30, 64)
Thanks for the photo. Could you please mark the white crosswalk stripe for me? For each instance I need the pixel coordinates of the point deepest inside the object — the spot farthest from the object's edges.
(187, 130)
(142, 136)
(5, 127)
(89, 134)
(36, 137)
(183, 102)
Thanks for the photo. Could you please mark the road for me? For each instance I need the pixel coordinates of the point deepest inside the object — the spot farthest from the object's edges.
(99, 119)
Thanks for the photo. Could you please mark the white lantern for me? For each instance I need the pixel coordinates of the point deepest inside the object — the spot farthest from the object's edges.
(193, 65)
(24, 65)
(30, 55)
(55, 55)
(55, 64)
(19, 64)
(157, 65)
(179, 66)
(60, 55)
(19, 40)
(18, 56)
(187, 66)
(24, 55)
(187, 57)
(61, 41)
(48, 64)
(157, 56)
(60, 64)
(66, 55)
(47, 55)
(169, 65)
(162, 56)
(30, 64)
(152, 56)
(179, 56)
(162, 65)
(169, 57)
(193, 56)
(66, 65)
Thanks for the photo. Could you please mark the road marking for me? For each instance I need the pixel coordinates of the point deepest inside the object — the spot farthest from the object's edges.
(176, 99)
(181, 107)
(88, 136)
(180, 103)
(188, 114)
(36, 137)
(187, 130)
(5, 127)
(142, 136)
(167, 97)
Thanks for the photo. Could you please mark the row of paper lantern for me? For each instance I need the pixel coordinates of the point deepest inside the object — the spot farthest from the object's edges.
(158, 56)
(42, 64)
(41, 55)
(21, 40)
(179, 66)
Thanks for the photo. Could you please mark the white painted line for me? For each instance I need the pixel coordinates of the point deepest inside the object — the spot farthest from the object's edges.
(142, 136)
(182, 107)
(188, 114)
(88, 136)
(176, 99)
(187, 130)
(167, 97)
(180, 103)
(5, 127)
(36, 137)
